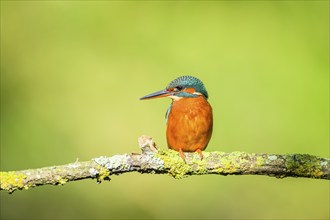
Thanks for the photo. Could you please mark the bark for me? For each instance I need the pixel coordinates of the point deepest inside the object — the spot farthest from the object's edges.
(168, 162)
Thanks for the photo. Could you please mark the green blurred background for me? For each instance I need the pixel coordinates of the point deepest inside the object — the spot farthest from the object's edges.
(72, 73)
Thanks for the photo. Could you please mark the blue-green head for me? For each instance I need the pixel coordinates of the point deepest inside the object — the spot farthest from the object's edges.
(181, 87)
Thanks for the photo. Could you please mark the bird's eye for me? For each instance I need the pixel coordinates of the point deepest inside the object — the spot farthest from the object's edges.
(178, 88)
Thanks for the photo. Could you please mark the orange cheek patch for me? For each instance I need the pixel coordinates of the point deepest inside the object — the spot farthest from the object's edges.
(189, 90)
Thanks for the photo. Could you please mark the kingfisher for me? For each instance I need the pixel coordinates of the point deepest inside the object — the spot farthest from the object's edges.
(189, 118)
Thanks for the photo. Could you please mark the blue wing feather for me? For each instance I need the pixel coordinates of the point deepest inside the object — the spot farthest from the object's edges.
(168, 112)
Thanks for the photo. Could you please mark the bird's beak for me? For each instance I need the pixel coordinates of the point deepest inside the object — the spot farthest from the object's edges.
(159, 94)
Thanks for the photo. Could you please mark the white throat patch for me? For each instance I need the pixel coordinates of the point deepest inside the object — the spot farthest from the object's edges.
(175, 98)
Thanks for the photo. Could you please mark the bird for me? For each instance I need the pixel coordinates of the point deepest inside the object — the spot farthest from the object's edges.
(189, 118)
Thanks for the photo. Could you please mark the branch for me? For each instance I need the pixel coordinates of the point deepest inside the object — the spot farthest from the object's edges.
(168, 162)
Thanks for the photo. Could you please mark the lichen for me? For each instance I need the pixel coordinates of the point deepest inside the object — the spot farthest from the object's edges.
(61, 181)
(324, 163)
(304, 165)
(272, 157)
(115, 163)
(12, 181)
(150, 161)
(174, 164)
(198, 164)
(93, 172)
(103, 174)
(260, 161)
(234, 162)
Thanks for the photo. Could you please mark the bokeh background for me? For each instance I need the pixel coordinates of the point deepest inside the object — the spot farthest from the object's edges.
(72, 73)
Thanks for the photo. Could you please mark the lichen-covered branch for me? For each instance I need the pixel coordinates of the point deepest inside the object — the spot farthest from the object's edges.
(168, 162)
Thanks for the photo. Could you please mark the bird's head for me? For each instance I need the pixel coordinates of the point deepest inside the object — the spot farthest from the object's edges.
(181, 87)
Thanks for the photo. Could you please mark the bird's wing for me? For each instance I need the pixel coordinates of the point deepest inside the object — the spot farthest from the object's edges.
(168, 112)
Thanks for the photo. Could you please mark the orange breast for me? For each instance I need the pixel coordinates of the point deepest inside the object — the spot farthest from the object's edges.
(189, 124)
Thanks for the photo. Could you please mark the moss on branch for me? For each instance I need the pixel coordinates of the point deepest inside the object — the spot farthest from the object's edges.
(168, 162)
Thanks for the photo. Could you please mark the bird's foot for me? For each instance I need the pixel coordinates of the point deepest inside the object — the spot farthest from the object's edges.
(200, 153)
(182, 155)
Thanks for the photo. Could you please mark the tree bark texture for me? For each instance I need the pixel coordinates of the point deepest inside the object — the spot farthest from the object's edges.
(168, 162)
